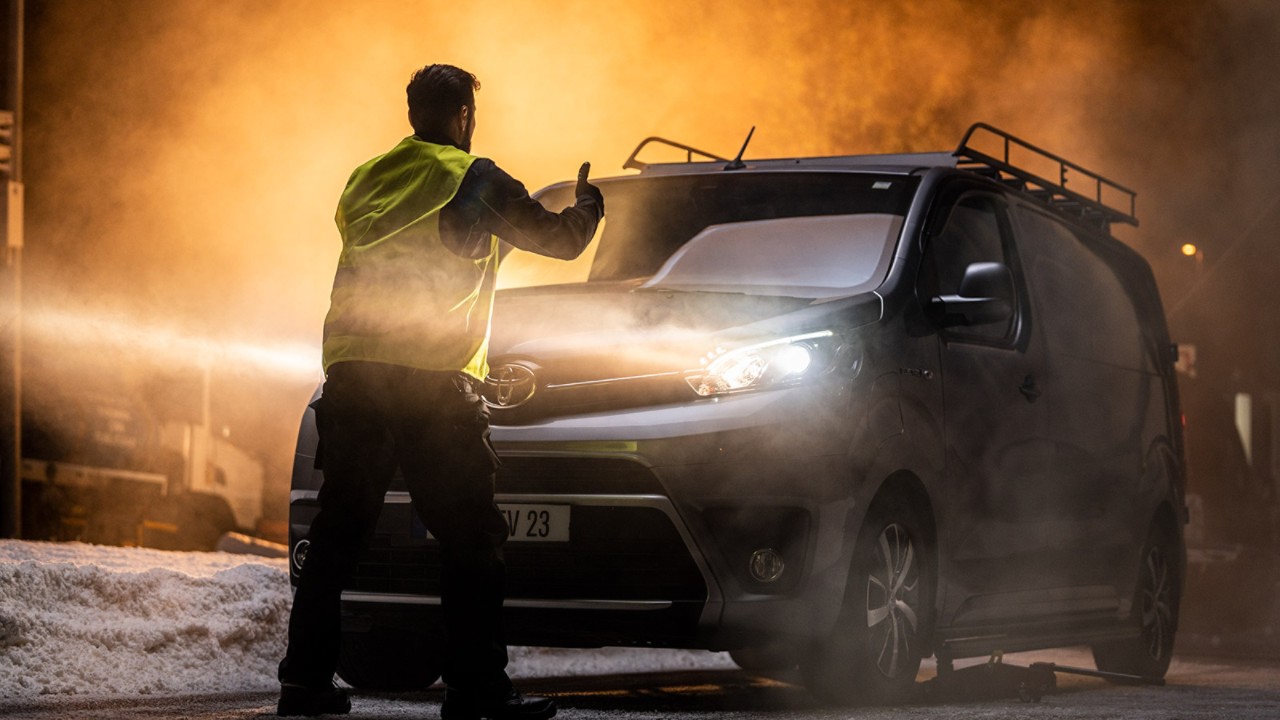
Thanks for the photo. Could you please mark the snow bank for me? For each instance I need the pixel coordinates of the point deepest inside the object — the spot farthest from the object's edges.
(82, 619)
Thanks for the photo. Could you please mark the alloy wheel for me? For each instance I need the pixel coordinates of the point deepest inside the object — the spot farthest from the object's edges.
(893, 600)
(1157, 603)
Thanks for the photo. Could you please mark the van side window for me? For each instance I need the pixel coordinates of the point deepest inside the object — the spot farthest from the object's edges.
(970, 231)
(1097, 319)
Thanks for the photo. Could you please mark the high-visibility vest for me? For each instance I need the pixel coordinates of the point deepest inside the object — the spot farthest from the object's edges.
(400, 296)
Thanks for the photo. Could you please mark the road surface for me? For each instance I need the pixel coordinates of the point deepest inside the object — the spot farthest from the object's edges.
(1197, 688)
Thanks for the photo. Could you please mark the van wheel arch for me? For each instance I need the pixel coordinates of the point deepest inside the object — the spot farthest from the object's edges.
(907, 486)
(887, 617)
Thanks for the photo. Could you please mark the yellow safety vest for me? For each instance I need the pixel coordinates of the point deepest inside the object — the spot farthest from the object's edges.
(400, 296)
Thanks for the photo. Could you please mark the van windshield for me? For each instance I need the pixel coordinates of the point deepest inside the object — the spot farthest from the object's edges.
(810, 257)
(744, 243)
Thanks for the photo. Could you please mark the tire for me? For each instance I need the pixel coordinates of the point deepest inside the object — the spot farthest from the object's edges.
(387, 659)
(205, 518)
(1155, 607)
(765, 659)
(187, 522)
(874, 653)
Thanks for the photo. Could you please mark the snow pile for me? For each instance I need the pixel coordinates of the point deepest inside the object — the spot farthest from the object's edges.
(546, 662)
(82, 619)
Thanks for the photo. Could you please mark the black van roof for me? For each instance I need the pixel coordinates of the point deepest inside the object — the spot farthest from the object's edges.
(1075, 192)
(899, 164)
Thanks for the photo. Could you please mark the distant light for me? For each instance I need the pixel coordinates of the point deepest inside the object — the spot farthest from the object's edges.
(1190, 250)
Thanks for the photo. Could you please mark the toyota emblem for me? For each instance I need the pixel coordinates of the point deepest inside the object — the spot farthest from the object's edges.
(509, 386)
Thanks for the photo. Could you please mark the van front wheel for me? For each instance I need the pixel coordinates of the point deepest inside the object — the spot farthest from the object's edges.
(875, 653)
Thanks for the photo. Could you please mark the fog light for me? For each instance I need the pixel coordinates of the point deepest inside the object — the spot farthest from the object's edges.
(300, 554)
(766, 565)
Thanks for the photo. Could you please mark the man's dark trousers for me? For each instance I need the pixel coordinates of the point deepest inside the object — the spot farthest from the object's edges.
(373, 417)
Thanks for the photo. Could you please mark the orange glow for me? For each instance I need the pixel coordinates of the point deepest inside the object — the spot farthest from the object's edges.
(199, 165)
(1190, 250)
(184, 157)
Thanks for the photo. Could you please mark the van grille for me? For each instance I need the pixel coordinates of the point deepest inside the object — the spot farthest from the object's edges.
(617, 552)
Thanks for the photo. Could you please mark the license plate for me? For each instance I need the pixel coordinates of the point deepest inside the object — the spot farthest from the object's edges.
(525, 523)
(537, 523)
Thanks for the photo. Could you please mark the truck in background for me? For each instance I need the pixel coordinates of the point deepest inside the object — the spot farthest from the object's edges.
(130, 456)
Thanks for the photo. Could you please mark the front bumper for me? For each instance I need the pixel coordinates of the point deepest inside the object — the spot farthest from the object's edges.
(667, 506)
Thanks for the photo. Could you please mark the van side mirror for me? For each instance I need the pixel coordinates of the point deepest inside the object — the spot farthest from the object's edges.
(985, 296)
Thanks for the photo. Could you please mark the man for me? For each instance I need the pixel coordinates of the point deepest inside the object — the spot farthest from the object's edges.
(405, 345)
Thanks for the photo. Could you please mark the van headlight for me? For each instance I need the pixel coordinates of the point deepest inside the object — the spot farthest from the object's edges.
(781, 361)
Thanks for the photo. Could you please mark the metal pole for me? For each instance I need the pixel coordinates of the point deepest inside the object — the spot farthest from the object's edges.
(11, 443)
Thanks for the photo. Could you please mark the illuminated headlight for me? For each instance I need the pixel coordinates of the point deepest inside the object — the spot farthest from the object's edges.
(774, 362)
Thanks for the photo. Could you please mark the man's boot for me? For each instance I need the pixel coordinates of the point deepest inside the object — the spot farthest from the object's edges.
(312, 700)
(495, 704)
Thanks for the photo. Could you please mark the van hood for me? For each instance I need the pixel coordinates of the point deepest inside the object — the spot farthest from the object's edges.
(591, 347)
(594, 330)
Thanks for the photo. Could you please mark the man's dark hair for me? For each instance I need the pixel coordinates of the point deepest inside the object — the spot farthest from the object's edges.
(435, 94)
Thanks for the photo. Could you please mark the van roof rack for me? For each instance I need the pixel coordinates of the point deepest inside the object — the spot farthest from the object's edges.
(633, 163)
(1077, 193)
(1091, 198)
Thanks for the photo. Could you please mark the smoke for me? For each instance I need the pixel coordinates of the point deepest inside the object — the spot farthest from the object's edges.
(184, 157)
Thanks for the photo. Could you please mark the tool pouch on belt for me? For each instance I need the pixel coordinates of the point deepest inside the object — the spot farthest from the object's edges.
(473, 417)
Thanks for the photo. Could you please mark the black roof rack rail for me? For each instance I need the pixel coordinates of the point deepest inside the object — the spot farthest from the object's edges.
(633, 164)
(1089, 206)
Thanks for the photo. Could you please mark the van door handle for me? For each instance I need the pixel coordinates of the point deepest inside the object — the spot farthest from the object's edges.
(1029, 389)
